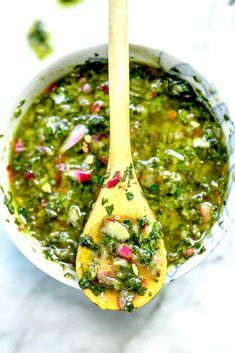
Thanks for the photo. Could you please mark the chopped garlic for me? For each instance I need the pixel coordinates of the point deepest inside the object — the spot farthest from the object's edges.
(201, 142)
(195, 124)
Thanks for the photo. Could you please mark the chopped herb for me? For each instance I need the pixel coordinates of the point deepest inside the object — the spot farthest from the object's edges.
(104, 201)
(154, 188)
(18, 110)
(97, 179)
(1, 135)
(128, 307)
(129, 196)
(8, 203)
(155, 233)
(178, 192)
(97, 288)
(109, 209)
(23, 214)
(182, 166)
(143, 221)
(86, 240)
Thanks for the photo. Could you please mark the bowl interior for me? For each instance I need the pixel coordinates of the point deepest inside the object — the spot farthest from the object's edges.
(27, 244)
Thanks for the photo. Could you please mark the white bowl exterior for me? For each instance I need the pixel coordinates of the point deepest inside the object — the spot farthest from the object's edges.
(30, 246)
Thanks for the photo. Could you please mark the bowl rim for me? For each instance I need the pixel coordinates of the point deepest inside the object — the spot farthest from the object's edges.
(168, 63)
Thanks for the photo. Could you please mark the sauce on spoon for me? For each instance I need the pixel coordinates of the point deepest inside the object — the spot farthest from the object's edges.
(121, 225)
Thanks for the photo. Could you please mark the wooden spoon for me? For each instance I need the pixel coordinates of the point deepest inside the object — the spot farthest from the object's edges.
(115, 199)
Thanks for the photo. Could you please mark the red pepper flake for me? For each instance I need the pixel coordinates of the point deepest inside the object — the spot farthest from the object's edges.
(97, 107)
(50, 88)
(19, 147)
(190, 252)
(29, 175)
(10, 174)
(114, 181)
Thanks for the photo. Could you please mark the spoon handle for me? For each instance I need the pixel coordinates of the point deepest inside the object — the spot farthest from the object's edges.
(120, 151)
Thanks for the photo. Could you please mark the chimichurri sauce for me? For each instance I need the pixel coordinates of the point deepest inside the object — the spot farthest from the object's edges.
(60, 152)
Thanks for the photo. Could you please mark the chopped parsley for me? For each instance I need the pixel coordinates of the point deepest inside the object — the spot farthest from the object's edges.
(39, 40)
(109, 209)
(129, 196)
(104, 201)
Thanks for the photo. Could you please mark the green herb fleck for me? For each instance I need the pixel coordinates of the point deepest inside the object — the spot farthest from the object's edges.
(39, 40)
(155, 233)
(109, 209)
(18, 110)
(154, 188)
(104, 201)
(1, 135)
(85, 280)
(129, 196)
(23, 214)
(143, 221)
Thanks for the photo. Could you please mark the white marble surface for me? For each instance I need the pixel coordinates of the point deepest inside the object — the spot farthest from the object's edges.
(196, 313)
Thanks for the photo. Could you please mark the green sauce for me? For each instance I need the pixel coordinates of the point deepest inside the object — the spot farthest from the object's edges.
(178, 150)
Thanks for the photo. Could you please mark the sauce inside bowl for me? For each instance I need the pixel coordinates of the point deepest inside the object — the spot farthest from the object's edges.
(60, 151)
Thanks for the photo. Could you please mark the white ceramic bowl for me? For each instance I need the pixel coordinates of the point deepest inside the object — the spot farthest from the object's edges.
(28, 245)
